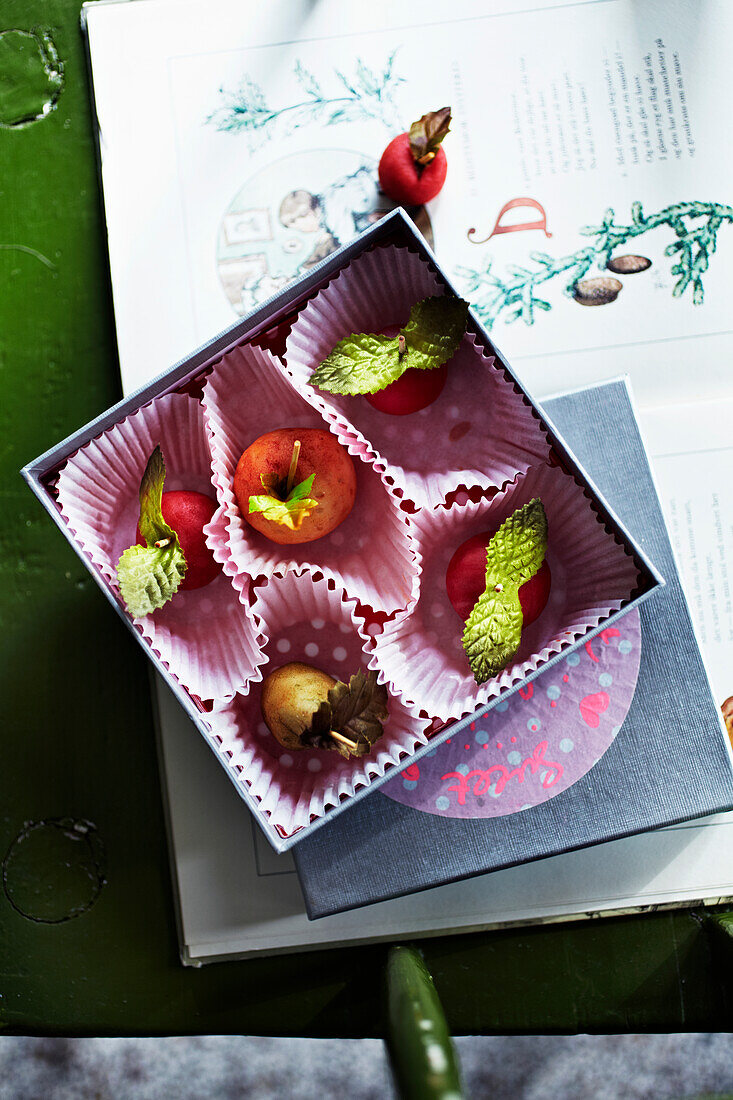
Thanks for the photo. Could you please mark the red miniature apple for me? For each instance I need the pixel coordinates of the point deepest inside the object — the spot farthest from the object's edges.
(413, 167)
(295, 485)
(187, 513)
(398, 370)
(413, 390)
(465, 580)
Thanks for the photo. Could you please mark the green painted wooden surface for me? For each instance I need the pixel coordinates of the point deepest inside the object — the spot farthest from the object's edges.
(77, 733)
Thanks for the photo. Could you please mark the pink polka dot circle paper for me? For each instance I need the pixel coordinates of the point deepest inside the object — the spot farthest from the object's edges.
(535, 744)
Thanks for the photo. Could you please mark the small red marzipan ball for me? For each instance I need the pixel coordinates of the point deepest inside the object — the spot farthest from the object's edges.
(465, 580)
(187, 513)
(412, 391)
(533, 595)
(399, 178)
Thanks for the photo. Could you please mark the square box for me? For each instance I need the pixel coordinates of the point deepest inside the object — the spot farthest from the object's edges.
(167, 406)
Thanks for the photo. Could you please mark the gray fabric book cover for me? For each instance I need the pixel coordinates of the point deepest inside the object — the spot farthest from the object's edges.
(622, 737)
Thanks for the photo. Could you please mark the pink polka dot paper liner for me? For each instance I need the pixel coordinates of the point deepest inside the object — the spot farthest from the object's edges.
(205, 637)
(302, 619)
(592, 576)
(215, 532)
(370, 554)
(478, 432)
(535, 744)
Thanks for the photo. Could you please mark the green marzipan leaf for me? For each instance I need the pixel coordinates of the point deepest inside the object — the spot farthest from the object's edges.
(366, 363)
(292, 511)
(518, 548)
(289, 513)
(301, 490)
(493, 632)
(149, 577)
(434, 331)
(494, 627)
(152, 526)
(362, 363)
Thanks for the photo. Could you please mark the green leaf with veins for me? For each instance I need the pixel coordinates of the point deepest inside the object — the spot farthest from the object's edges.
(493, 632)
(292, 510)
(494, 627)
(365, 362)
(362, 363)
(518, 548)
(434, 331)
(150, 575)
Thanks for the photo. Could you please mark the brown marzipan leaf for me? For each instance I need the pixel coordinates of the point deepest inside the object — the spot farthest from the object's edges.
(317, 734)
(427, 133)
(351, 719)
(358, 713)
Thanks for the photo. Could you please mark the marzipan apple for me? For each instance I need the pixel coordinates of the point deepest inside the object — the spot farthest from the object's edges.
(290, 697)
(277, 466)
(465, 580)
(305, 708)
(187, 512)
(413, 390)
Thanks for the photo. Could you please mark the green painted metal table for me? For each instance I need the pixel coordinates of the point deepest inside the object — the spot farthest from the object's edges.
(87, 931)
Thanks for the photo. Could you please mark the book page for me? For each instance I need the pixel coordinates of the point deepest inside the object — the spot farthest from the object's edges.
(692, 452)
(585, 134)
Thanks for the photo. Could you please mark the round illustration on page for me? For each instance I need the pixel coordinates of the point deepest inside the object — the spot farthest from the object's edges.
(535, 744)
(294, 213)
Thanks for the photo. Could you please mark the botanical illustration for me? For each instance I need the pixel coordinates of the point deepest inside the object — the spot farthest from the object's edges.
(274, 232)
(360, 96)
(515, 295)
(297, 210)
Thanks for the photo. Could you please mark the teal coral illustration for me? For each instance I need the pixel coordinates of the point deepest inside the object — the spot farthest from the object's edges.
(516, 295)
(366, 94)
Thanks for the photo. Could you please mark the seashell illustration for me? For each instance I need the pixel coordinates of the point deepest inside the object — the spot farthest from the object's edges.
(628, 264)
(597, 292)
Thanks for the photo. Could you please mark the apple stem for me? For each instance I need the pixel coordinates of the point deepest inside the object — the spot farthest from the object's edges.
(401, 345)
(293, 466)
(348, 742)
(161, 543)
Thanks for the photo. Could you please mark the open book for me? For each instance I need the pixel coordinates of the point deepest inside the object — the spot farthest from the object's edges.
(581, 131)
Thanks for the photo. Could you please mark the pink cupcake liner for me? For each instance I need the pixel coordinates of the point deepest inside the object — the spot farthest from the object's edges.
(247, 395)
(205, 637)
(304, 619)
(480, 431)
(217, 540)
(420, 652)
